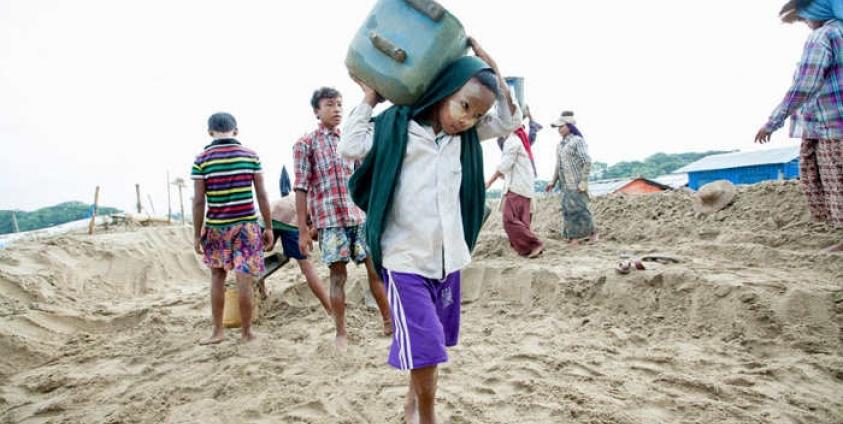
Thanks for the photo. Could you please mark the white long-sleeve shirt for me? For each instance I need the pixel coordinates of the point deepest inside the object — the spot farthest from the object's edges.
(424, 233)
(516, 168)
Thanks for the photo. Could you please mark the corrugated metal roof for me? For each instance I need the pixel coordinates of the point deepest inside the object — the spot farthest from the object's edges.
(599, 188)
(742, 159)
(673, 180)
(603, 187)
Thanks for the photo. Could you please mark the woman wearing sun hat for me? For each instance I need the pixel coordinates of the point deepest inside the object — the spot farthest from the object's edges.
(573, 165)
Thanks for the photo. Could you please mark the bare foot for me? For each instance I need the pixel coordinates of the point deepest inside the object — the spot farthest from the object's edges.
(341, 342)
(574, 242)
(835, 248)
(411, 409)
(536, 252)
(248, 337)
(387, 327)
(215, 338)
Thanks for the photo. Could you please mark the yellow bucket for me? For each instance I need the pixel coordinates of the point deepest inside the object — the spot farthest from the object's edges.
(231, 309)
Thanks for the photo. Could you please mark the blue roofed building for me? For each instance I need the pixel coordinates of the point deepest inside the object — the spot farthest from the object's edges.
(744, 167)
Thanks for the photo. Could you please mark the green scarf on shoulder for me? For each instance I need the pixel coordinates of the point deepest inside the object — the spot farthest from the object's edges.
(372, 185)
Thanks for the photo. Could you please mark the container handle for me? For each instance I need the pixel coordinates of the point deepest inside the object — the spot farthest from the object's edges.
(431, 8)
(387, 47)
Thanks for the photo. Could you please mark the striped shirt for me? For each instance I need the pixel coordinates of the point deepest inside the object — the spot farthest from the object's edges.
(228, 170)
(815, 100)
(572, 162)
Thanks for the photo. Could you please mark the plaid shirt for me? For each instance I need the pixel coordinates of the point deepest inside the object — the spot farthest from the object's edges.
(815, 100)
(323, 174)
(573, 164)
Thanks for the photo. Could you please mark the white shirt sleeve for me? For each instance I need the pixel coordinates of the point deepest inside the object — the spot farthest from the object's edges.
(509, 155)
(357, 134)
(501, 124)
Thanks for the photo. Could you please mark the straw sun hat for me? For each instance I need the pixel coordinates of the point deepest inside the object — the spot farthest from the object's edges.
(566, 117)
(715, 196)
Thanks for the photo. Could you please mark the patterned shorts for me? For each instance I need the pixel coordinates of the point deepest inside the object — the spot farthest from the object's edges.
(238, 247)
(343, 244)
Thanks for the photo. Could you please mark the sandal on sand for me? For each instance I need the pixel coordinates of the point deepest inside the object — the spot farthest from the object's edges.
(625, 267)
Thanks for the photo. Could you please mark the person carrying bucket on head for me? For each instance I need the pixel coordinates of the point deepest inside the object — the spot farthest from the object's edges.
(421, 185)
(518, 169)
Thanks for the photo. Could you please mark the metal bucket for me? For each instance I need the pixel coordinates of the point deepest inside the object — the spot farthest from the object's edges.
(403, 45)
(517, 86)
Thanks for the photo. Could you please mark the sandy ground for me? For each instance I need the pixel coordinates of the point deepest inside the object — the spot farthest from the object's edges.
(748, 328)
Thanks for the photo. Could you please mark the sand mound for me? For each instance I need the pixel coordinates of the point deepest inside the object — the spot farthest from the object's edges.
(54, 290)
(748, 327)
(772, 214)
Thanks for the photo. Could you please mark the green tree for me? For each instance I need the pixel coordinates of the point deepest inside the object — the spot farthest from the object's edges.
(49, 216)
(654, 166)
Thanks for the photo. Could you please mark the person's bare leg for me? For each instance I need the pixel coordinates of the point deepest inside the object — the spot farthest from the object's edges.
(217, 303)
(424, 385)
(244, 288)
(835, 248)
(338, 278)
(309, 272)
(379, 293)
(411, 406)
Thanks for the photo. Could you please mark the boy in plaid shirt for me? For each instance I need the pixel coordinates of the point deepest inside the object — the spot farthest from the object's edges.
(321, 188)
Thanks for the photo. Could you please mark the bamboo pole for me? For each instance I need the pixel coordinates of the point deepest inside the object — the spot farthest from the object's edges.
(180, 183)
(137, 192)
(94, 213)
(15, 228)
(169, 206)
(151, 205)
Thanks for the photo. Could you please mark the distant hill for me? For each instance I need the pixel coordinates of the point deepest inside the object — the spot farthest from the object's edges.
(49, 216)
(654, 166)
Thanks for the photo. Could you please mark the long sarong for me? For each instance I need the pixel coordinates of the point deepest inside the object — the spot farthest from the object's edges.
(578, 223)
(821, 168)
(516, 223)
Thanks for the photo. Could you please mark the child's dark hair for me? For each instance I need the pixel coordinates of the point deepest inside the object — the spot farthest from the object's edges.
(487, 78)
(323, 93)
(222, 122)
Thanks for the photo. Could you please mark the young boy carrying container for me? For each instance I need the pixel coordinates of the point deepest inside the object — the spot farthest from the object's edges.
(228, 235)
(421, 184)
(321, 188)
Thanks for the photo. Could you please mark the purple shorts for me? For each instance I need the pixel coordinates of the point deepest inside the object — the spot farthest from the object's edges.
(425, 318)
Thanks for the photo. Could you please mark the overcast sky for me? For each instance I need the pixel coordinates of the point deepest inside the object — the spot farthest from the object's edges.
(113, 93)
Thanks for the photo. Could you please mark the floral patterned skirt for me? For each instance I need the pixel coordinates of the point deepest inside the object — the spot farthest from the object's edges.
(238, 247)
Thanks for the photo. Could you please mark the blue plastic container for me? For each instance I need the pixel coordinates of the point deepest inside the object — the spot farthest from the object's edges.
(403, 45)
(517, 85)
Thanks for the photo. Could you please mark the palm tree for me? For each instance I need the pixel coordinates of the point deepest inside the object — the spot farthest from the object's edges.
(180, 183)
